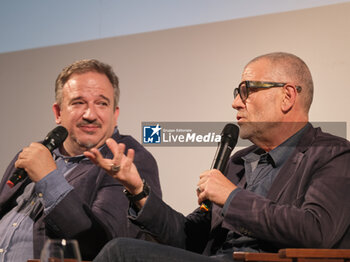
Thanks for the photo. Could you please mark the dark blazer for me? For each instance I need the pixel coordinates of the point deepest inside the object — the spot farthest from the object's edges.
(95, 211)
(308, 205)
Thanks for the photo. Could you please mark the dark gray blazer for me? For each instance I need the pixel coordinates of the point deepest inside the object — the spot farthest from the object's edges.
(308, 205)
(95, 211)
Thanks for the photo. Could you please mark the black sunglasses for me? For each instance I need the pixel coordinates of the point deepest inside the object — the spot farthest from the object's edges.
(244, 86)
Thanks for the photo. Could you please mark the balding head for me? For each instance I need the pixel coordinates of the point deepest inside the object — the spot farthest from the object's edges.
(290, 68)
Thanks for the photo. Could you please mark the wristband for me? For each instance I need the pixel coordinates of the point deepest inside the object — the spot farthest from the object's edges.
(139, 196)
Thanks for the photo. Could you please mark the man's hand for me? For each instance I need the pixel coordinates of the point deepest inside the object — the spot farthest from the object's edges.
(127, 174)
(214, 186)
(36, 160)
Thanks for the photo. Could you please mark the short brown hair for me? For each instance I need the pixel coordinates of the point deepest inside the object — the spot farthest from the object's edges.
(84, 66)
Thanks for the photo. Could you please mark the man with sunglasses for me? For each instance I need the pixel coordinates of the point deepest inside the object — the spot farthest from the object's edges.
(289, 189)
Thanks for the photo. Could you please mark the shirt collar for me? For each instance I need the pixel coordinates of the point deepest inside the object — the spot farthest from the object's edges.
(281, 153)
(278, 155)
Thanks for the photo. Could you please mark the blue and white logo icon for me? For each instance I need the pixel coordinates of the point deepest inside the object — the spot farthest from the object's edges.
(151, 134)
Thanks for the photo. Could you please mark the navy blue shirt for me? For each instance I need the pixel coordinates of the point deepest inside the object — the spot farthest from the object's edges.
(261, 169)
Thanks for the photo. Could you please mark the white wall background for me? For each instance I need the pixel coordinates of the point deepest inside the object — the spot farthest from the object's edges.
(28, 24)
(180, 74)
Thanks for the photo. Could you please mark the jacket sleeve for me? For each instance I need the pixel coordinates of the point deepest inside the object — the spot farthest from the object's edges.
(91, 220)
(80, 214)
(170, 227)
(310, 209)
(96, 209)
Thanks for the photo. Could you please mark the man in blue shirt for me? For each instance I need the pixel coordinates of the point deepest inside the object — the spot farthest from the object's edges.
(290, 189)
(65, 195)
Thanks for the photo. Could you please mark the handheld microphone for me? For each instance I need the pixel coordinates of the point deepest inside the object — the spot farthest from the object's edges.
(229, 137)
(53, 140)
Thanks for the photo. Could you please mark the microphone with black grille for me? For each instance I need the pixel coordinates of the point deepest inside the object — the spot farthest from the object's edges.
(53, 140)
(229, 137)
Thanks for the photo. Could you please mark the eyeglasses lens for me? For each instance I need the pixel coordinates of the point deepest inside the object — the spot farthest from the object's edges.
(243, 91)
(235, 92)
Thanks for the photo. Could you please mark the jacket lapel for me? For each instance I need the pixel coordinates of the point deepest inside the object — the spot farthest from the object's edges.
(8, 193)
(284, 176)
(289, 168)
(79, 170)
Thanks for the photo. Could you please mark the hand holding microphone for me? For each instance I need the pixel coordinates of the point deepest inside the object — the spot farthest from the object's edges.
(229, 137)
(29, 155)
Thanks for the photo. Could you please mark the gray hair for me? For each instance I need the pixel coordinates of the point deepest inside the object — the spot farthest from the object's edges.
(294, 68)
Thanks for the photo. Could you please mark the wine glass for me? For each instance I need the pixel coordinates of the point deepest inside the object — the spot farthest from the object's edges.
(60, 250)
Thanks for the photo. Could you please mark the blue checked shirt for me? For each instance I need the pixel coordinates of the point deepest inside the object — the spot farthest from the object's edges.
(16, 227)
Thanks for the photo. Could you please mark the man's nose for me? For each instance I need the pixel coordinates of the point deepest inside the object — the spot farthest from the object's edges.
(90, 113)
(237, 102)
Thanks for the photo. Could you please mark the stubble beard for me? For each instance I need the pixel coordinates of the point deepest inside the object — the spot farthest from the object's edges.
(246, 130)
(84, 146)
(254, 130)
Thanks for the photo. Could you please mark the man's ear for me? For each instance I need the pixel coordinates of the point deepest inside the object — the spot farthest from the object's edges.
(116, 115)
(289, 97)
(57, 112)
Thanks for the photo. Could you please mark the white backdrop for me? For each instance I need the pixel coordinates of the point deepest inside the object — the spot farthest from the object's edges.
(183, 74)
(30, 24)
